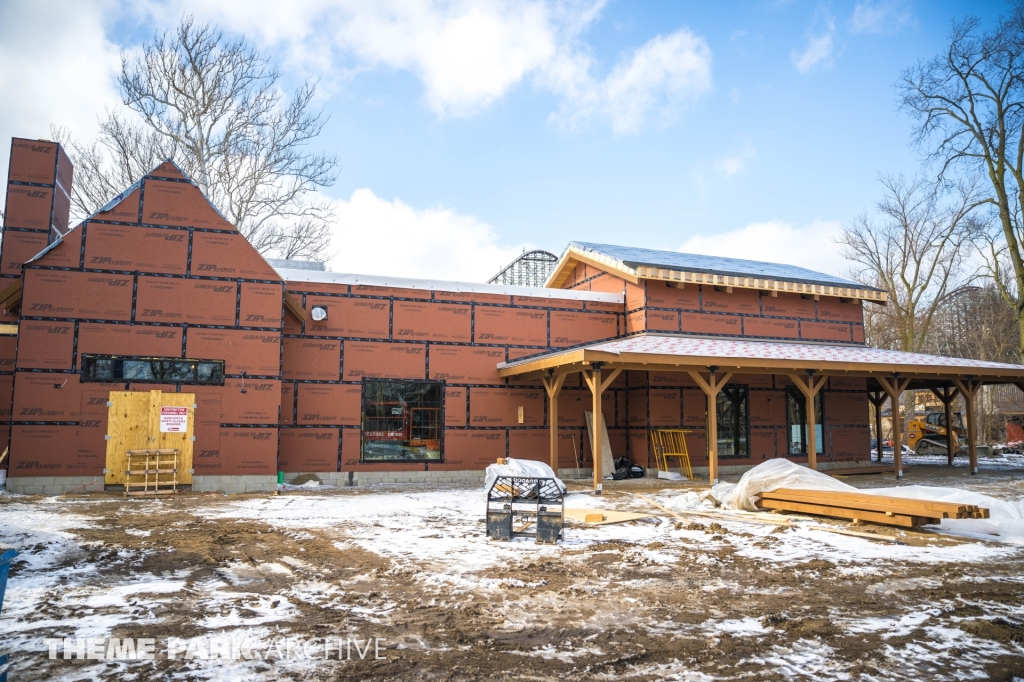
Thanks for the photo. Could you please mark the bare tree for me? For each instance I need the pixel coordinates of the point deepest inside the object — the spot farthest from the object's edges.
(106, 166)
(975, 322)
(969, 103)
(217, 108)
(914, 249)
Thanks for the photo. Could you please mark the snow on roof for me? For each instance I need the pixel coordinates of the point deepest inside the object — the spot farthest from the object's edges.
(634, 257)
(443, 285)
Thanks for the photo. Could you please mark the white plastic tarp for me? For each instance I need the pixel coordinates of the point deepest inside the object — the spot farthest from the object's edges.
(527, 468)
(1006, 518)
(775, 474)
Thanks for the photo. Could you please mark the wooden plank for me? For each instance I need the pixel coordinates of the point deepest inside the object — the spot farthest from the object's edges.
(831, 496)
(852, 533)
(182, 442)
(861, 471)
(293, 306)
(777, 522)
(127, 429)
(909, 510)
(852, 499)
(902, 520)
(603, 517)
(10, 297)
(952, 507)
(751, 518)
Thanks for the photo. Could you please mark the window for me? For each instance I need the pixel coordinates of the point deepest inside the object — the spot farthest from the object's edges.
(733, 422)
(796, 422)
(402, 421)
(152, 370)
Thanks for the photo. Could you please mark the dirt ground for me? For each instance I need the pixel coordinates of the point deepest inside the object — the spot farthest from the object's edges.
(663, 598)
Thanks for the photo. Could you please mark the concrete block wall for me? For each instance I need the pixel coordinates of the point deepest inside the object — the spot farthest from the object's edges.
(54, 485)
(360, 478)
(234, 484)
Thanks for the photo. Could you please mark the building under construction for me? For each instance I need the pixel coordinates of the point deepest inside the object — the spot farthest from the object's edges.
(356, 379)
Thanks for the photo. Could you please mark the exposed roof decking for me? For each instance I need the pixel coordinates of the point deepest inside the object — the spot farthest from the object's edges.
(659, 352)
(634, 264)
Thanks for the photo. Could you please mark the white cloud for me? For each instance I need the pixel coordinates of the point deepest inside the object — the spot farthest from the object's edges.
(735, 163)
(467, 55)
(654, 81)
(818, 50)
(809, 246)
(470, 53)
(382, 237)
(56, 66)
(886, 16)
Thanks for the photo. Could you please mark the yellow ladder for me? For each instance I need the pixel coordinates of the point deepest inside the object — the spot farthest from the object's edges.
(671, 443)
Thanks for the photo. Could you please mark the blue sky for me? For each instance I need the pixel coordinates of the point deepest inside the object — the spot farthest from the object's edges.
(468, 131)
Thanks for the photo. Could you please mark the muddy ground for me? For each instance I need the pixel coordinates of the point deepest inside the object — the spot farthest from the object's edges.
(664, 598)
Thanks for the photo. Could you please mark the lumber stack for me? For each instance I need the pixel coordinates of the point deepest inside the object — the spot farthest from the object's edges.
(886, 510)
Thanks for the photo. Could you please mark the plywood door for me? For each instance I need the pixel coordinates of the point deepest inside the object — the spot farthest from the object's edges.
(127, 429)
(182, 441)
(133, 423)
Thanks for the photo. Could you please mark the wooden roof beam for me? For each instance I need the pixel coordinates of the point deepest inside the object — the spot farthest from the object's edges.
(294, 306)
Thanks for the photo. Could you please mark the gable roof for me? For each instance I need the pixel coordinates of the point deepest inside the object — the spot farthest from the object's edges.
(634, 264)
(166, 197)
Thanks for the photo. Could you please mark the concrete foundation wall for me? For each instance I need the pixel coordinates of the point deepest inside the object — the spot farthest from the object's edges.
(340, 479)
(234, 484)
(54, 485)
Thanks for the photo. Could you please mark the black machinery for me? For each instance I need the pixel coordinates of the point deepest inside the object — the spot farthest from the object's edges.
(515, 503)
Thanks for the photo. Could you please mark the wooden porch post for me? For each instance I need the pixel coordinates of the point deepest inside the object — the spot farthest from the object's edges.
(553, 387)
(810, 389)
(969, 390)
(947, 396)
(877, 398)
(597, 386)
(895, 388)
(711, 388)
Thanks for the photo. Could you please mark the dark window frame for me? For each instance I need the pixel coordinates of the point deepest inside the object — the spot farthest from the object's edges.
(742, 431)
(796, 395)
(440, 429)
(100, 367)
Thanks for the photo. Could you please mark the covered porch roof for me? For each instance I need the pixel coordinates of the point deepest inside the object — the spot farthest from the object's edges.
(660, 352)
(711, 362)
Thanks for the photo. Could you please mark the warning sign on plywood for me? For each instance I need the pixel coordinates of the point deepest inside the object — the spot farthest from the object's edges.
(173, 419)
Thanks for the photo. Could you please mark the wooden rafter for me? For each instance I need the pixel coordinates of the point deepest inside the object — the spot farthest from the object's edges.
(293, 306)
(10, 297)
(553, 387)
(894, 389)
(712, 384)
(597, 384)
(946, 396)
(810, 386)
(969, 389)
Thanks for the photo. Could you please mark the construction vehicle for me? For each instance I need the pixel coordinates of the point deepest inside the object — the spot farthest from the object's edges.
(928, 436)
